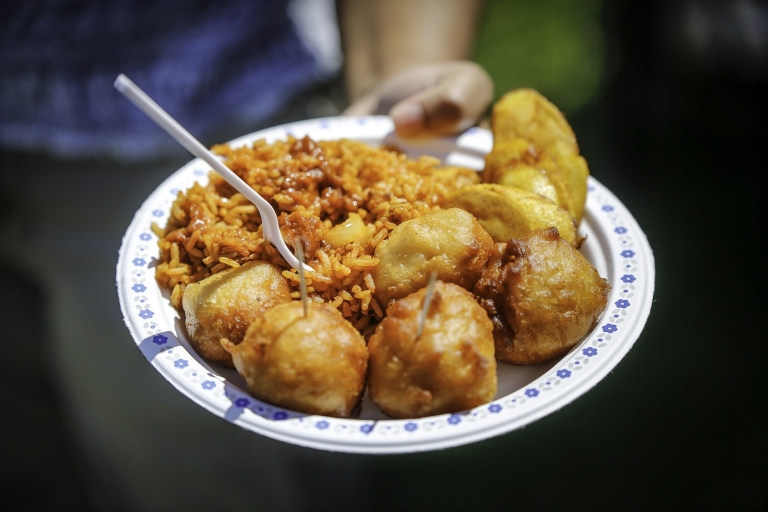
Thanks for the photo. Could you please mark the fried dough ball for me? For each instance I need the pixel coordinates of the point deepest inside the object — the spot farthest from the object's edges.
(543, 297)
(450, 368)
(314, 364)
(526, 114)
(510, 212)
(449, 241)
(224, 305)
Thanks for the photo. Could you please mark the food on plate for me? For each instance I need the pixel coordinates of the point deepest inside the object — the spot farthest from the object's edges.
(543, 297)
(526, 114)
(534, 148)
(224, 305)
(341, 198)
(315, 363)
(510, 212)
(449, 241)
(575, 170)
(554, 173)
(515, 163)
(373, 226)
(346, 232)
(449, 368)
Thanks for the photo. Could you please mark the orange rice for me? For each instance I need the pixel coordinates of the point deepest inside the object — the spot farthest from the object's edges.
(316, 187)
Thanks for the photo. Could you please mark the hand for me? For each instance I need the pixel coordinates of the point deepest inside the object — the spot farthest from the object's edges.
(431, 99)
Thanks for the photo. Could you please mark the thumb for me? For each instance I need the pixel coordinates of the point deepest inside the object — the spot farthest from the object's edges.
(454, 103)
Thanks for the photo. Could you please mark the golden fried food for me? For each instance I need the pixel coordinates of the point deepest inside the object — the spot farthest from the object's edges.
(526, 114)
(224, 305)
(449, 368)
(510, 212)
(555, 174)
(575, 173)
(515, 163)
(522, 116)
(314, 364)
(543, 297)
(449, 241)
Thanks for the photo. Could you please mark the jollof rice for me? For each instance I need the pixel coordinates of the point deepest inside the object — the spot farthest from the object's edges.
(316, 187)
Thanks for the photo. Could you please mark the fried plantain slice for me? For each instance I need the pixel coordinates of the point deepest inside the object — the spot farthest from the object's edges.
(525, 113)
(224, 305)
(511, 212)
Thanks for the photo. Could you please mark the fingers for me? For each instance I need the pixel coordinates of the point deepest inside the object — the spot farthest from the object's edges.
(431, 100)
(407, 83)
(456, 101)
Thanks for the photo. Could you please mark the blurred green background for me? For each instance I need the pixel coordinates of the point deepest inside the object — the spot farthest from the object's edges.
(554, 46)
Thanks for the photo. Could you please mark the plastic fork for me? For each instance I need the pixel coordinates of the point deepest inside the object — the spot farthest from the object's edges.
(268, 217)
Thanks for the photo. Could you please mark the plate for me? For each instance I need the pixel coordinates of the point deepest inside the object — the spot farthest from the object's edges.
(615, 245)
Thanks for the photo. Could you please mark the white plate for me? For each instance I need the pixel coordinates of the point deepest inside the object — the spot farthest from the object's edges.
(615, 245)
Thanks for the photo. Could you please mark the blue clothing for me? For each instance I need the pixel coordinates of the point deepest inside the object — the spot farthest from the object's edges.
(209, 64)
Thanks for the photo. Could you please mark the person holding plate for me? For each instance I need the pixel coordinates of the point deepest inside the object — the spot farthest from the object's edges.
(78, 160)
